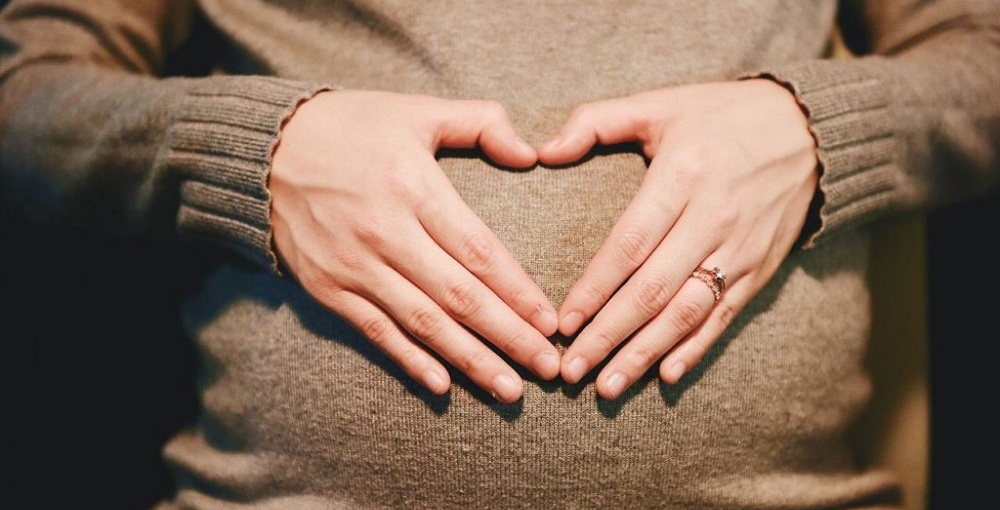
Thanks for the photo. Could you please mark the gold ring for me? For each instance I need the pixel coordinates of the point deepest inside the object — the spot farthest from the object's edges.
(715, 278)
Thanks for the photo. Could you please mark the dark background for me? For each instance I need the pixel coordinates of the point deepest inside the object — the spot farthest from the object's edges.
(963, 282)
(97, 374)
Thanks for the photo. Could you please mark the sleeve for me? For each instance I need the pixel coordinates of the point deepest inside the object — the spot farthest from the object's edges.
(912, 121)
(95, 133)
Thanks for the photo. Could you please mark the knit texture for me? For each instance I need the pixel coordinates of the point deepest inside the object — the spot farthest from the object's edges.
(299, 411)
(223, 139)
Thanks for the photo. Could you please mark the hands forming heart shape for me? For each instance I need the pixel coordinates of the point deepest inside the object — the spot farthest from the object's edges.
(367, 222)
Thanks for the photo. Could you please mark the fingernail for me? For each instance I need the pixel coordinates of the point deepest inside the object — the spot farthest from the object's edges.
(576, 370)
(435, 381)
(676, 371)
(616, 384)
(546, 364)
(546, 322)
(505, 388)
(571, 323)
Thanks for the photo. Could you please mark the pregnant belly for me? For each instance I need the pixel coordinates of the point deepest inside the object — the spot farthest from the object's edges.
(551, 219)
(300, 410)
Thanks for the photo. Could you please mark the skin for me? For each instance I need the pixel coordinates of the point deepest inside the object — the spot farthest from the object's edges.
(368, 223)
(733, 168)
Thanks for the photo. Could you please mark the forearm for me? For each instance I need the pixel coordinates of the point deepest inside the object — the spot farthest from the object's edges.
(93, 134)
(158, 156)
(913, 124)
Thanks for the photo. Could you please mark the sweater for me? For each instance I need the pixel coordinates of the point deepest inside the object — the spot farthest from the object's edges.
(157, 118)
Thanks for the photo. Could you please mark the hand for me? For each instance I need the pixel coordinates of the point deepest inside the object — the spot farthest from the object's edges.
(733, 168)
(368, 223)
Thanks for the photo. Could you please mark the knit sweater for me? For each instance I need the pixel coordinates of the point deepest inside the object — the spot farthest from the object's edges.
(158, 118)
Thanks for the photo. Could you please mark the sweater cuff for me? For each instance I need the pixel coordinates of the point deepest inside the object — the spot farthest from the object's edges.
(221, 143)
(847, 107)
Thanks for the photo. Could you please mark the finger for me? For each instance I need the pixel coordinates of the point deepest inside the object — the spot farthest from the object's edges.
(603, 122)
(468, 123)
(464, 236)
(692, 349)
(687, 310)
(431, 325)
(635, 235)
(469, 301)
(385, 334)
(642, 297)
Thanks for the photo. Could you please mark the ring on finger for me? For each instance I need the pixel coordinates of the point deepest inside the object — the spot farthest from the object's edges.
(715, 278)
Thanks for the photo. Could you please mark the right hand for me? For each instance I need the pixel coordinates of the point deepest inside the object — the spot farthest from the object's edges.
(370, 226)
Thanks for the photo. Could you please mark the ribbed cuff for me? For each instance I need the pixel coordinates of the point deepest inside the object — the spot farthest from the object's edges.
(847, 107)
(221, 143)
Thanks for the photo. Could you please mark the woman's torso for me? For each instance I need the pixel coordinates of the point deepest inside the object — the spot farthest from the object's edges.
(301, 412)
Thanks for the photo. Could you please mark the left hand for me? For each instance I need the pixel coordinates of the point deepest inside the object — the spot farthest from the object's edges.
(733, 168)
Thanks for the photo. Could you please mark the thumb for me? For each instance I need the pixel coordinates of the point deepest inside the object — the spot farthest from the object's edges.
(602, 122)
(465, 124)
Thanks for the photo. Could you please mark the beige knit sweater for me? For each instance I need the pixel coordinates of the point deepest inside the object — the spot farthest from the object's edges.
(157, 117)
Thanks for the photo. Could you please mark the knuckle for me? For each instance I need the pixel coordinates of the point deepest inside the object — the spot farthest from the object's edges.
(690, 166)
(593, 297)
(634, 247)
(377, 330)
(426, 323)
(687, 313)
(509, 342)
(472, 362)
(477, 252)
(519, 297)
(323, 285)
(726, 216)
(373, 233)
(726, 314)
(652, 295)
(401, 183)
(642, 357)
(460, 299)
(605, 341)
(350, 263)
